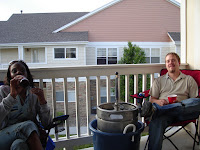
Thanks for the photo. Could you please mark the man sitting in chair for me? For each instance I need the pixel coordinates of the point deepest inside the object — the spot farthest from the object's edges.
(162, 114)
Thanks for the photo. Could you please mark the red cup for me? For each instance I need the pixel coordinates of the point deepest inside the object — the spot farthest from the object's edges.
(172, 98)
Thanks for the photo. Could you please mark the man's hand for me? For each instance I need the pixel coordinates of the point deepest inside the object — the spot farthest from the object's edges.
(160, 102)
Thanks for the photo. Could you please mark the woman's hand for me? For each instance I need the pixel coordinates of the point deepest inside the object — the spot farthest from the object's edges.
(15, 88)
(39, 92)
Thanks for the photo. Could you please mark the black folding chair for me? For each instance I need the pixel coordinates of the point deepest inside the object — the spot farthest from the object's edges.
(47, 142)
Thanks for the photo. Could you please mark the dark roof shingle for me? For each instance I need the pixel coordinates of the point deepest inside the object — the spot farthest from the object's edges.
(28, 28)
(175, 36)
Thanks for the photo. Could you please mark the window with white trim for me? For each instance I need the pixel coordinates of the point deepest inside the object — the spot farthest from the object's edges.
(152, 55)
(106, 56)
(37, 55)
(62, 53)
(104, 95)
(60, 96)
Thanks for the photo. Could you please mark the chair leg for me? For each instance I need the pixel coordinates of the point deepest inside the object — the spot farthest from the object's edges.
(146, 143)
(165, 137)
(168, 137)
(173, 132)
(196, 134)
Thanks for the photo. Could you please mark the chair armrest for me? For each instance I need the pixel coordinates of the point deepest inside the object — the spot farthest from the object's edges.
(144, 94)
(139, 98)
(61, 118)
(57, 120)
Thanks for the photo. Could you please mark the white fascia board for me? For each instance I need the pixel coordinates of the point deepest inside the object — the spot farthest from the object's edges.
(122, 44)
(175, 42)
(171, 38)
(174, 2)
(44, 43)
(87, 15)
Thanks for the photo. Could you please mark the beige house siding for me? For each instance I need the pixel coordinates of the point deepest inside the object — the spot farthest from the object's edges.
(90, 56)
(41, 54)
(90, 53)
(132, 20)
(51, 61)
(178, 50)
(121, 52)
(28, 55)
(8, 55)
(165, 50)
(165, 47)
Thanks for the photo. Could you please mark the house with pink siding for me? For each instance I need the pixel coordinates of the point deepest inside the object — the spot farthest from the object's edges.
(146, 23)
(94, 38)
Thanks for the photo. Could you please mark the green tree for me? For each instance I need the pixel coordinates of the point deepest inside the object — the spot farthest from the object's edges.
(132, 55)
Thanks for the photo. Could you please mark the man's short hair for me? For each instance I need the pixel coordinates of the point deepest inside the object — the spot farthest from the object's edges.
(174, 54)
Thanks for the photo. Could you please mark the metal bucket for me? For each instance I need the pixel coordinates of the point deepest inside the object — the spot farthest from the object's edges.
(114, 118)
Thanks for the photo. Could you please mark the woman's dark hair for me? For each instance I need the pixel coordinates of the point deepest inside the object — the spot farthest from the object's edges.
(8, 77)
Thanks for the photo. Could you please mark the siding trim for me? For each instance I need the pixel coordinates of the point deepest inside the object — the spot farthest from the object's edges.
(117, 44)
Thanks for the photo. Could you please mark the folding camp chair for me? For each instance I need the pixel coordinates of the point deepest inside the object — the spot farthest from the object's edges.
(140, 96)
(47, 142)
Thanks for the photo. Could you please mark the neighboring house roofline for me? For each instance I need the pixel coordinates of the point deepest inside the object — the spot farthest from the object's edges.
(87, 15)
(175, 37)
(44, 43)
(174, 2)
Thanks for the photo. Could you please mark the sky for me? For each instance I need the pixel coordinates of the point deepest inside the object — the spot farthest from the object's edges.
(9, 7)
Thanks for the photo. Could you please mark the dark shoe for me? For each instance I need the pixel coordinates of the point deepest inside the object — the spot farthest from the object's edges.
(146, 109)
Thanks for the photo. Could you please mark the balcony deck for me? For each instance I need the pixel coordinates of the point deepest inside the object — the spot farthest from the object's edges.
(78, 138)
(182, 140)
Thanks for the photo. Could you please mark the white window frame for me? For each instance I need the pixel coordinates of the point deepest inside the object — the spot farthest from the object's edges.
(68, 93)
(32, 55)
(107, 54)
(65, 53)
(150, 53)
(103, 92)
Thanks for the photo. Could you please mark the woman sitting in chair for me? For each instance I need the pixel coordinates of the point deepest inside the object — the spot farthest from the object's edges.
(19, 106)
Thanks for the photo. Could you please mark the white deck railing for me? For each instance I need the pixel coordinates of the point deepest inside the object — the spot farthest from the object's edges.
(88, 71)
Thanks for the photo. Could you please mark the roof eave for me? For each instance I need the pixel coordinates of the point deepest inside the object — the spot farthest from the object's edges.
(174, 42)
(177, 43)
(43, 43)
(171, 38)
(174, 2)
